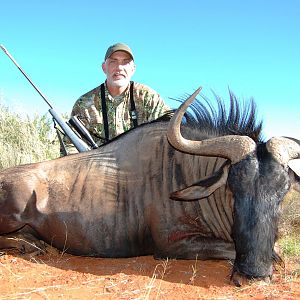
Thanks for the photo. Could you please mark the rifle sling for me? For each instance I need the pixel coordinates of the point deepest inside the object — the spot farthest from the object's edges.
(104, 112)
(133, 113)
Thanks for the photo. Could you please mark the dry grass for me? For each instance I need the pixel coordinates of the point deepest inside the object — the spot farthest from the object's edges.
(158, 274)
(24, 139)
(289, 227)
(289, 233)
(290, 219)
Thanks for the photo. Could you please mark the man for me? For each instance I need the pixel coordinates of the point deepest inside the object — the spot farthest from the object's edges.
(118, 104)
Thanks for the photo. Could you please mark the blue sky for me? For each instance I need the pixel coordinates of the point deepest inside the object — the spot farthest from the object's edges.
(251, 47)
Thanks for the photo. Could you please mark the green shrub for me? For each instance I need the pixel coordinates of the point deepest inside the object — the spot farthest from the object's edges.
(290, 218)
(290, 245)
(25, 140)
(289, 228)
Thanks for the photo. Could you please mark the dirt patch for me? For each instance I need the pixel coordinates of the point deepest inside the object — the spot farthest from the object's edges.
(57, 276)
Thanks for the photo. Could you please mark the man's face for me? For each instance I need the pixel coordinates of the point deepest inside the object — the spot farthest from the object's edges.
(119, 68)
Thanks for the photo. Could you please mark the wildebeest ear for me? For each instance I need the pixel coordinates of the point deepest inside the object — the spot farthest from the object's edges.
(294, 164)
(204, 187)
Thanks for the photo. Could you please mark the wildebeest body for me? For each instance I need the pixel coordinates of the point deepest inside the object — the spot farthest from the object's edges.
(111, 202)
(140, 194)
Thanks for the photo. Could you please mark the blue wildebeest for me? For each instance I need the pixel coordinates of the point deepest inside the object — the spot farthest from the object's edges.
(206, 188)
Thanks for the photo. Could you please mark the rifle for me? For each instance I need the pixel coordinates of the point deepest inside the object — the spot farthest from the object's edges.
(74, 129)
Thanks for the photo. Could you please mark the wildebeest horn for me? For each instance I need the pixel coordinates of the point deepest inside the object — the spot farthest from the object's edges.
(232, 147)
(284, 149)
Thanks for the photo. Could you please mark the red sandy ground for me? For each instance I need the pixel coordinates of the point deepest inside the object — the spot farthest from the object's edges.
(63, 276)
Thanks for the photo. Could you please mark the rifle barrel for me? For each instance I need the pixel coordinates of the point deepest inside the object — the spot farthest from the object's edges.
(80, 145)
(18, 66)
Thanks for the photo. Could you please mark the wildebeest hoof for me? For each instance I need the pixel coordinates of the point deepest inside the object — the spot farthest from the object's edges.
(24, 242)
(239, 280)
(29, 246)
(32, 248)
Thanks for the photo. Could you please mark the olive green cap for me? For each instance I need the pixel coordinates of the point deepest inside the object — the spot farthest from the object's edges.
(118, 47)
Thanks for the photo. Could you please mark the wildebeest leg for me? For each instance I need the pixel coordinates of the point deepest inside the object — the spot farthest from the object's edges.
(23, 240)
(197, 248)
(15, 214)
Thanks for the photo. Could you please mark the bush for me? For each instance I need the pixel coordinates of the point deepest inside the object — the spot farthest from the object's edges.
(24, 140)
(290, 219)
(289, 227)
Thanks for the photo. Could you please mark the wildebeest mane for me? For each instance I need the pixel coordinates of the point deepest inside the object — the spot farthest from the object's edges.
(212, 120)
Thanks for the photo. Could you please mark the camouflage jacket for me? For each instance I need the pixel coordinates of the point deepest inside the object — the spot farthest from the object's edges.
(148, 103)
